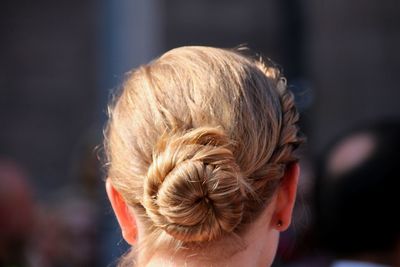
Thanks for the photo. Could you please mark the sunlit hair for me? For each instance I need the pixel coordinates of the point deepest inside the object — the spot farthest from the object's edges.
(197, 142)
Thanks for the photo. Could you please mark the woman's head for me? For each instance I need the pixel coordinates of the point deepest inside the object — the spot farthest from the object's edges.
(198, 143)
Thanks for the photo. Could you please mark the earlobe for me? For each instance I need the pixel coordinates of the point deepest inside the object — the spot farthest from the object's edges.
(286, 197)
(125, 218)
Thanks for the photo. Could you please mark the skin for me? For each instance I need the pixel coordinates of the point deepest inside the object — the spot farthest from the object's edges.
(261, 238)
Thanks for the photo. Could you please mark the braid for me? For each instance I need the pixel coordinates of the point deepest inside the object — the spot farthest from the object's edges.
(265, 180)
(289, 135)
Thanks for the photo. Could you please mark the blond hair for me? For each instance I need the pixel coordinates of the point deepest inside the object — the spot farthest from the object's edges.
(197, 142)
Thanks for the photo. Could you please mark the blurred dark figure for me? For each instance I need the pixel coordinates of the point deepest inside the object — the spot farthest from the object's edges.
(17, 211)
(67, 236)
(358, 196)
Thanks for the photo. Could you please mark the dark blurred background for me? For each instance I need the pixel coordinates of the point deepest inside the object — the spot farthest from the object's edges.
(59, 61)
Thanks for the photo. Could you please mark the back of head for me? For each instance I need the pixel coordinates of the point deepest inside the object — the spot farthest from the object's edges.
(357, 191)
(198, 141)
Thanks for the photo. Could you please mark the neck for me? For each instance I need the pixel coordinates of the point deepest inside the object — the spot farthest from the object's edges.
(258, 249)
(251, 256)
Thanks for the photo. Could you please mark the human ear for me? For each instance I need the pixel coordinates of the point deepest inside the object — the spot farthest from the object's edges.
(124, 216)
(286, 197)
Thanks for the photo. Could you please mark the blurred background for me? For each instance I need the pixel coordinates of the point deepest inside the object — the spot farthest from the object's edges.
(60, 61)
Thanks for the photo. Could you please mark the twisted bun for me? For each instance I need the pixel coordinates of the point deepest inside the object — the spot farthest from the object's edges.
(194, 189)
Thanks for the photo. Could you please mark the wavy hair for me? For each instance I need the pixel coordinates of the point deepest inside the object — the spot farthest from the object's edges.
(197, 143)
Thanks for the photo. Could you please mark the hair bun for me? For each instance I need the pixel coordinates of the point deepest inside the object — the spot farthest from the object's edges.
(194, 189)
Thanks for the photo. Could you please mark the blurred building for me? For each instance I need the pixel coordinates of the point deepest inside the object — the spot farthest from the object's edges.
(353, 62)
(48, 95)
